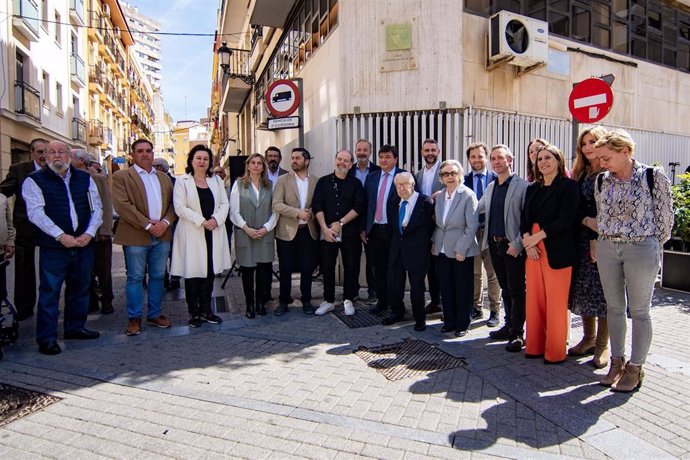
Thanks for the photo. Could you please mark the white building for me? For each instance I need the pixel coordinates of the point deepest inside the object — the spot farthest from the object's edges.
(147, 43)
(43, 89)
(397, 72)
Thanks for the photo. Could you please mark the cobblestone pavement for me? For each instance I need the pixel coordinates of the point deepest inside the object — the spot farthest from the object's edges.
(290, 387)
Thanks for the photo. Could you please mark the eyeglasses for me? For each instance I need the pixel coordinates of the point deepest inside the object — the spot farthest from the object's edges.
(448, 173)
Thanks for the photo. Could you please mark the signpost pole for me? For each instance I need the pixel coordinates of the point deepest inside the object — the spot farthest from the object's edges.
(300, 113)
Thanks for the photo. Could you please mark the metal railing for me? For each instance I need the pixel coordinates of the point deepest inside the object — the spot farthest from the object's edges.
(108, 136)
(78, 68)
(238, 66)
(27, 100)
(28, 11)
(95, 132)
(78, 130)
(78, 7)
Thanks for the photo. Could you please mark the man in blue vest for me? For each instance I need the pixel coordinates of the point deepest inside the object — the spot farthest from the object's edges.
(63, 202)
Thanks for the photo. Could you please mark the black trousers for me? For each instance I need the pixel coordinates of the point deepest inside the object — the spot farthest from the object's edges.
(24, 278)
(198, 292)
(102, 271)
(396, 291)
(351, 252)
(298, 255)
(510, 272)
(369, 267)
(457, 290)
(379, 240)
(262, 273)
(432, 279)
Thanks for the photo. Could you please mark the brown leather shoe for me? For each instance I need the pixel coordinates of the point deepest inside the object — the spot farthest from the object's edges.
(134, 326)
(631, 379)
(160, 321)
(615, 372)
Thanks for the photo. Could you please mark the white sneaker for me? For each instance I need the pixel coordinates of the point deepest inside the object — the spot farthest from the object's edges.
(349, 308)
(325, 307)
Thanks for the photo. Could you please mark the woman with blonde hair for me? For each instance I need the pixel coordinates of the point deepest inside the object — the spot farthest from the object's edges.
(634, 220)
(586, 294)
(252, 214)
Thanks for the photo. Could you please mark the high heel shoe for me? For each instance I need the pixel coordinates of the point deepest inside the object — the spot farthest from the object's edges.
(251, 312)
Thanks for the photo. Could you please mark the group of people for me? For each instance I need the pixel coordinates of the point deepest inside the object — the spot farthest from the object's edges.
(557, 240)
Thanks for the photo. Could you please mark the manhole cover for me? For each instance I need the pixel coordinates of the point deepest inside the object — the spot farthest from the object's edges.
(361, 318)
(410, 358)
(17, 402)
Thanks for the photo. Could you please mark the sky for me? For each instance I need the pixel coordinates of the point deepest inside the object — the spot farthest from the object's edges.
(187, 61)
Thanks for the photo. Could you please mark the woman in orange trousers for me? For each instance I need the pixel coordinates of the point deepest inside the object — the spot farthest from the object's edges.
(548, 228)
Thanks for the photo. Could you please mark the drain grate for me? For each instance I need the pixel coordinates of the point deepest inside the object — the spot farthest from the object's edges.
(17, 402)
(410, 358)
(361, 318)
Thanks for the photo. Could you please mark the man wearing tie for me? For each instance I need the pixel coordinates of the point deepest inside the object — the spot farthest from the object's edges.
(429, 184)
(411, 217)
(377, 230)
(478, 179)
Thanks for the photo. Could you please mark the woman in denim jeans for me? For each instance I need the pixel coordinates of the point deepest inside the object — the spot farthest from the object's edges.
(634, 220)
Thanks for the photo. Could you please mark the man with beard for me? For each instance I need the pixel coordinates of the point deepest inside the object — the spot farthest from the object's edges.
(273, 158)
(478, 180)
(63, 202)
(361, 170)
(24, 268)
(429, 184)
(338, 203)
(296, 231)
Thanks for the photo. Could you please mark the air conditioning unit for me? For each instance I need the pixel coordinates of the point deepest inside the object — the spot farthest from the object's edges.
(262, 114)
(524, 39)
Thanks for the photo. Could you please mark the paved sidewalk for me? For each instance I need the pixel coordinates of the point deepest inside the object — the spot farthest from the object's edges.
(290, 387)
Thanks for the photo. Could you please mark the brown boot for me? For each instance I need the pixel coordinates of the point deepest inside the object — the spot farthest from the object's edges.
(586, 345)
(615, 372)
(631, 380)
(601, 346)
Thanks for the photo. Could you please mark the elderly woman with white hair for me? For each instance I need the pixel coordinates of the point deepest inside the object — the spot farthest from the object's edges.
(455, 243)
(634, 220)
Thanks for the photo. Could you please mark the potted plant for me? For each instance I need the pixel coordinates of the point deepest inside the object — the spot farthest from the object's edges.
(676, 257)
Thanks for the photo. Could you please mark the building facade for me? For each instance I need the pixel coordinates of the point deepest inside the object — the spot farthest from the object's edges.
(147, 44)
(399, 72)
(44, 85)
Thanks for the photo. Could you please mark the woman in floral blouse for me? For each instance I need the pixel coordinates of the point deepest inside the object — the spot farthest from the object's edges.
(634, 219)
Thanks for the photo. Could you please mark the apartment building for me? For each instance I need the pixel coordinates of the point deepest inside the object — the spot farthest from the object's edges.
(44, 83)
(147, 44)
(400, 71)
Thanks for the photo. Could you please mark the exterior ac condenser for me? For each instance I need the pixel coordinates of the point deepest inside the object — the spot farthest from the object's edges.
(513, 35)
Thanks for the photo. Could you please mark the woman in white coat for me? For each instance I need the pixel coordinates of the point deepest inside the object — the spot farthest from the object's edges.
(201, 204)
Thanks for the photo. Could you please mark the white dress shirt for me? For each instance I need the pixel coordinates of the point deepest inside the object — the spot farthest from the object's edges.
(429, 177)
(273, 177)
(302, 190)
(235, 215)
(448, 201)
(154, 197)
(384, 214)
(411, 202)
(37, 166)
(35, 204)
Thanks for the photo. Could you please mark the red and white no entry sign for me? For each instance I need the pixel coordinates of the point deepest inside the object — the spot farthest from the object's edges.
(282, 98)
(591, 100)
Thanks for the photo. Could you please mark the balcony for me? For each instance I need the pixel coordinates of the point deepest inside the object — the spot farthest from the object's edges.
(78, 130)
(108, 136)
(96, 78)
(98, 27)
(95, 132)
(27, 100)
(238, 80)
(271, 13)
(26, 18)
(77, 70)
(76, 11)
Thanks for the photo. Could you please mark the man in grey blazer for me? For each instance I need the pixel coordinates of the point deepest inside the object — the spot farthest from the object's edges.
(429, 184)
(502, 205)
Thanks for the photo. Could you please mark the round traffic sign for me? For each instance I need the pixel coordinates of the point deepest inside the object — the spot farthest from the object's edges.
(590, 100)
(282, 98)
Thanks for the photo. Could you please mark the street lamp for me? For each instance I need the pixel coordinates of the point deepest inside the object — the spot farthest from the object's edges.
(224, 55)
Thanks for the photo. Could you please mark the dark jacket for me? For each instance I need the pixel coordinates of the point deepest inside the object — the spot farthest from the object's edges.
(371, 187)
(372, 168)
(555, 209)
(12, 186)
(469, 182)
(412, 248)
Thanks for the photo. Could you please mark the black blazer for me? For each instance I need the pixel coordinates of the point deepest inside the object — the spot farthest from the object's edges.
(372, 168)
(555, 209)
(12, 185)
(371, 187)
(413, 247)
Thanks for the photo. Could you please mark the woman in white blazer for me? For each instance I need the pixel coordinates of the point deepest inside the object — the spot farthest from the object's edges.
(455, 243)
(201, 205)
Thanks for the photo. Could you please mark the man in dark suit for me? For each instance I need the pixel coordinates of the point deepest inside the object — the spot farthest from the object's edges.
(377, 230)
(478, 180)
(25, 269)
(429, 183)
(411, 217)
(361, 170)
(273, 158)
